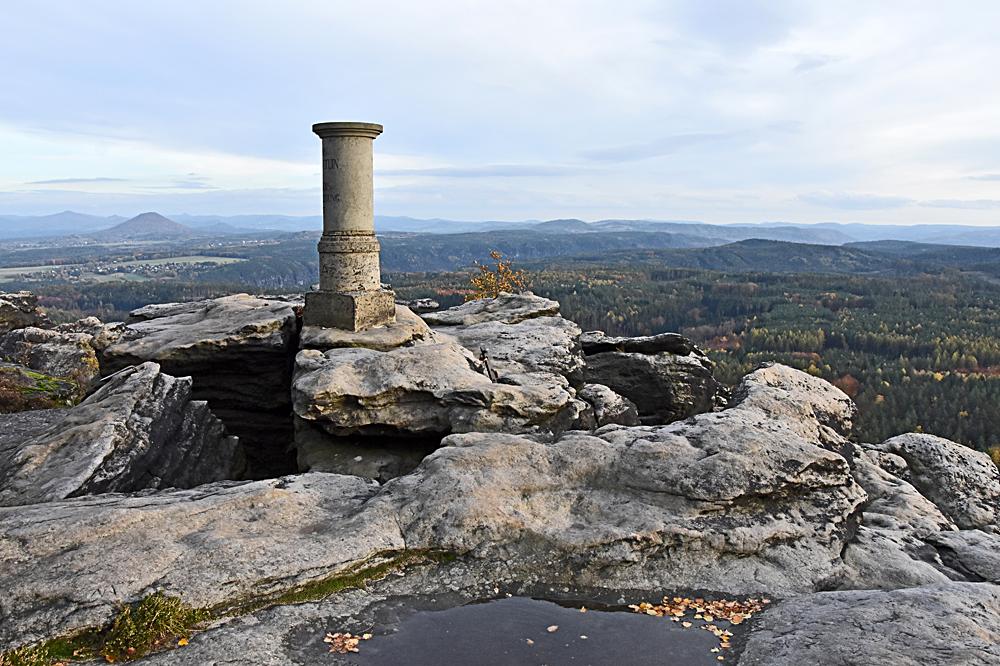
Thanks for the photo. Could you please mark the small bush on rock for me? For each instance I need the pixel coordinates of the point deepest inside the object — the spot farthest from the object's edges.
(495, 280)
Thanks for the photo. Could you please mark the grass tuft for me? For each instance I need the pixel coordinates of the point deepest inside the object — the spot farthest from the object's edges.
(158, 621)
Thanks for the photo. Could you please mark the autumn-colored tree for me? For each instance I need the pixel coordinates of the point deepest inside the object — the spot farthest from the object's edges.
(491, 281)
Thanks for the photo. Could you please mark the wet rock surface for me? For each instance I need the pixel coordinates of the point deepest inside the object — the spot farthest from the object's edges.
(445, 615)
(238, 351)
(139, 430)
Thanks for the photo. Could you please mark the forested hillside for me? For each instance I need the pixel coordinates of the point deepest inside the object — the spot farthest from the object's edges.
(916, 354)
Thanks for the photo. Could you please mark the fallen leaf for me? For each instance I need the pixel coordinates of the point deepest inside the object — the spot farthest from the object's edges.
(686, 625)
(552, 629)
(182, 642)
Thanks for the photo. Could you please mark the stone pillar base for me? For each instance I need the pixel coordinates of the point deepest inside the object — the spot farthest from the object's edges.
(350, 311)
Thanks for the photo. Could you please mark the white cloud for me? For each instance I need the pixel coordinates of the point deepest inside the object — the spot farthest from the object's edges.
(722, 111)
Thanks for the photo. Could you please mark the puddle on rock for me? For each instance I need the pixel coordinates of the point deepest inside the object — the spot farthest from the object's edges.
(515, 631)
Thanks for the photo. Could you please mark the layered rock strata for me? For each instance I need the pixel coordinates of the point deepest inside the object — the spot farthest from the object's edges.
(139, 430)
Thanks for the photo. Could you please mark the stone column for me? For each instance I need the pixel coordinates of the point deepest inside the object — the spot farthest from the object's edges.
(350, 292)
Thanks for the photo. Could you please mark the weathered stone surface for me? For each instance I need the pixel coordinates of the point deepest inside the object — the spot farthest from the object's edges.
(716, 503)
(429, 388)
(69, 564)
(664, 387)
(812, 407)
(507, 308)
(609, 407)
(237, 350)
(754, 499)
(139, 430)
(375, 458)
(102, 335)
(352, 311)
(596, 342)
(972, 553)
(19, 309)
(55, 353)
(540, 344)
(953, 623)
(407, 329)
(888, 549)
(962, 482)
(204, 330)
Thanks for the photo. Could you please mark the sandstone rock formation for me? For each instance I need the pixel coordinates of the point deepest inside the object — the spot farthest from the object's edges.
(666, 376)
(396, 390)
(964, 483)
(19, 309)
(431, 388)
(609, 407)
(237, 349)
(55, 353)
(752, 499)
(23, 388)
(508, 308)
(956, 623)
(541, 481)
(545, 344)
(139, 430)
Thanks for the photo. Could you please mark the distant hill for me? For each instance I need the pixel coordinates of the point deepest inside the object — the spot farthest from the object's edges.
(443, 252)
(57, 224)
(69, 223)
(146, 226)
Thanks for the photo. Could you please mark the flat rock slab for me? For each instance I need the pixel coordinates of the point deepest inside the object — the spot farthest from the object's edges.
(139, 430)
(210, 544)
(407, 329)
(204, 331)
(952, 623)
(507, 308)
(540, 344)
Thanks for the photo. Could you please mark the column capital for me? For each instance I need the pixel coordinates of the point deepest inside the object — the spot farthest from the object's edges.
(369, 130)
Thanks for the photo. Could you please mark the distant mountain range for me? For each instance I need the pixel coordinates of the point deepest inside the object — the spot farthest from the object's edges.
(687, 233)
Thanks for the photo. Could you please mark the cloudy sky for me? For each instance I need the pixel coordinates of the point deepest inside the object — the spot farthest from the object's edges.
(721, 111)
